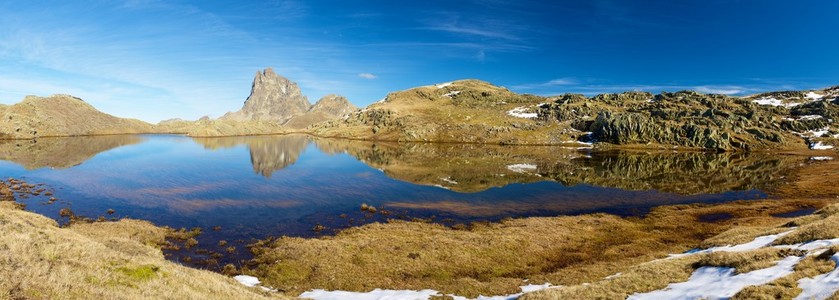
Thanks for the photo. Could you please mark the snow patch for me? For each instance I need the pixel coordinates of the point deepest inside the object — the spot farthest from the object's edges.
(821, 158)
(519, 112)
(521, 168)
(820, 146)
(774, 102)
(813, 96)
(810, 117)
(757, 243)
(451, 94)
(813, 245)
(720, 282)
(821, 286)
(448, 180)
(442, 85)
(379, 294)
(246, 280)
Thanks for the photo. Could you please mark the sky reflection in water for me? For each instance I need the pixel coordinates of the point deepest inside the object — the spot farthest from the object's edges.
(255, 187)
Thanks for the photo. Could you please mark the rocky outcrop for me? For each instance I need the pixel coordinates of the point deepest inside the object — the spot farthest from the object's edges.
(273, 98)
(327, 108)
(478, 112)
(62, 115)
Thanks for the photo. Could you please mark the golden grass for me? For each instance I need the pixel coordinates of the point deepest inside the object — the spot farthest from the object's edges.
(783, 288)
(492, 258)
(815, 181)
(744, 262)
(641, 278)
(39, 260)
(787, 286)
(822, 225)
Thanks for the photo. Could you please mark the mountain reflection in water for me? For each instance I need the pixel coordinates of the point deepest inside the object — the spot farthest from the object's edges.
(260, 186)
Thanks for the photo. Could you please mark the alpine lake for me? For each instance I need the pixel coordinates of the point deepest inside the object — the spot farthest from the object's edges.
(242, 189)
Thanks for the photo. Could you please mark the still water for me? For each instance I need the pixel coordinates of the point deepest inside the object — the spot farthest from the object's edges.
(255, 187)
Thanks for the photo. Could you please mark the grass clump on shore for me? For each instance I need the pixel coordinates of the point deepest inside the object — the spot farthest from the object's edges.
(106, 260)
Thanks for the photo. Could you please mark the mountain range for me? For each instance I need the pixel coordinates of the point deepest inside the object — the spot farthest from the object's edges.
(474, 111)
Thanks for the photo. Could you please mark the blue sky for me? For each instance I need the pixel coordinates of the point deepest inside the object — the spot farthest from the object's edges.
(156, 60)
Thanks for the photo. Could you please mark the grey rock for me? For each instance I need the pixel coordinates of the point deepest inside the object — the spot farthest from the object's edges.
(272, 98)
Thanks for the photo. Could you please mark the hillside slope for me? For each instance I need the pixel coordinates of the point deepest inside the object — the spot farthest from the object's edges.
(108, 260)
(61, 115)
(478, 112)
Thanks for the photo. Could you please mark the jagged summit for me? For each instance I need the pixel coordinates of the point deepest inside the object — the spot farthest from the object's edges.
(276, 99)
(272, 98)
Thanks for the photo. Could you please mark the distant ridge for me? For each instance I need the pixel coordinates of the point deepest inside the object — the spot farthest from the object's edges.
(62, 115)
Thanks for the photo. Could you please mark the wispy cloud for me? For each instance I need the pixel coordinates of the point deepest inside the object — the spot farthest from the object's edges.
(481, 55)
(724, 90)
(367, 75)
(593, 87)
(473, 30)
(550, 83)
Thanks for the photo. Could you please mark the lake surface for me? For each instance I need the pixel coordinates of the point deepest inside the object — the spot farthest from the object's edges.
(257, 187)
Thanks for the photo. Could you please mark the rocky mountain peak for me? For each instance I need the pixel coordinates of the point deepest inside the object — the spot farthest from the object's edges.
(334, 105)
(273, 98)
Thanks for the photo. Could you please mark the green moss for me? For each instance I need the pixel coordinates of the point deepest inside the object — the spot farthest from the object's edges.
(141, 273)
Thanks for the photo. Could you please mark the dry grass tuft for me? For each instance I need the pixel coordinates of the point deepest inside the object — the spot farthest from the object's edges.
(109, 260)
(822, 225)
(787, 287)
(744, 262)
(642, 278)
(492, 258)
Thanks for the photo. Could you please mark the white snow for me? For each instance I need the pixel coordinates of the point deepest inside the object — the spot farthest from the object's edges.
(821, 158)
(382, 101)
(449, 180)
(820, 146)
(521, 168)
(451, 94)
(379, 294)
(810, 117)
(442, 187)
(773, 102)
(813, 96)
(813, 245)
(519, 112)
(818, 133)
(246, 280)
(821, 286)
(757, 243)
(719, 282)
(442, 85)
